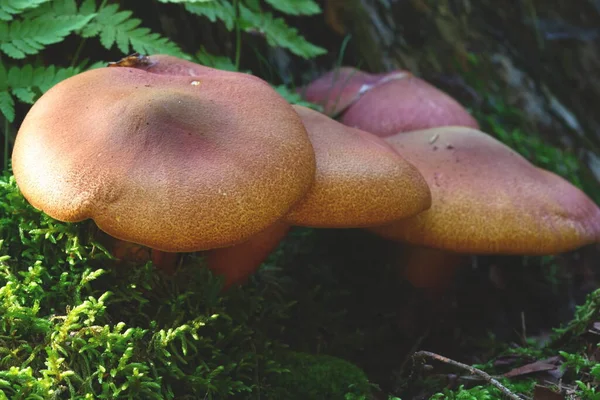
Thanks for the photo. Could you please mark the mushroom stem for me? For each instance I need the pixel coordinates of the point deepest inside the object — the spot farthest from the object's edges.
(236, 263)
(122, 250)
(132, 252)
(429, 268)
(165, 261)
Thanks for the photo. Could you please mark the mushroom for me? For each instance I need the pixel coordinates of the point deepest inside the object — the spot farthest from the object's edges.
(238, 262)
(487, 199)
(385, 104)
(339, 89)
(163, 64)
(360, 181)
(177, 163)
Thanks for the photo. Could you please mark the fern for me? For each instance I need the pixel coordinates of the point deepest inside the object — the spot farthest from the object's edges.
(211, 60)
(186, 1)
(114, 26)
(293, 97)
(26, 37)
(278, 33)
(295, 7)
(27, 27)
(254, 20)
(216, 10)
(27, 83)
(8, 8)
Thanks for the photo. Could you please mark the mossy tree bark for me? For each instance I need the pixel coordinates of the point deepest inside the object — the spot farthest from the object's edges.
(544, 57)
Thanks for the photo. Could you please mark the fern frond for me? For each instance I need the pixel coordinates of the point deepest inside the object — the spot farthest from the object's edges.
(10, 8)
(214, 10)
(278, 33)
(7, 105)
(293, 97)
(115, 26)
(218, 62)
(27, 83)
(185, 1)
(295, 7)
(21, 38)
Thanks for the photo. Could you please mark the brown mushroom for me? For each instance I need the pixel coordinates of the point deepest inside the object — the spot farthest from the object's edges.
(238, 262)
(360, 181)
(487, 199)
(163, 64)
(173, 162)
(385, 104)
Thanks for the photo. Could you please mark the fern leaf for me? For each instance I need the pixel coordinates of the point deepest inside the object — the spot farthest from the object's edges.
(293, 97)
(10, 8)
(278, 33)
(116, 27)
(214, 10)
(21, 38)
(185, 1)
(218, 62)
(27, 83)
(7, 105)
(295, 7)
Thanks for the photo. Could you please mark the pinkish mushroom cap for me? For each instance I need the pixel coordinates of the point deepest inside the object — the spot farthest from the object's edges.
(385, 104)
(402, 105)
(486, 198)
(338, 89)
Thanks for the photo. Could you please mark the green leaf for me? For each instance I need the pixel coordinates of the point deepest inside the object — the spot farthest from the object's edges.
(218, 62)
(295, 7)
(7, 106)
(278, 33)
(217, 10)
(27, 83)
(185, 1)
(21, 38)
(294, 97)
(116, 27)
(10, 8)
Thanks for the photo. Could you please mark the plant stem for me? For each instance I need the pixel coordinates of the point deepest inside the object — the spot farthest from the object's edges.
(6, 143)
(474, 371)
(83, 40)
(78, 52)
(238, 35)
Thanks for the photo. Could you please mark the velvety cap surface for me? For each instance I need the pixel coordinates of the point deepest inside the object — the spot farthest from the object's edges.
(338, 89)
(486, 198)
(163, 64)
(401, 105)
(177, 163)
(360, 180)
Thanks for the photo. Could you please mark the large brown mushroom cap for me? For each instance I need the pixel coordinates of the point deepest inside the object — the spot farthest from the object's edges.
(163, 64)
(360, 180)
(486, 198)
(177, 163)
(407, 104)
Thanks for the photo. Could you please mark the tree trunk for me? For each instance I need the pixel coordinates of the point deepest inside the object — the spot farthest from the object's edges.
(543, 60)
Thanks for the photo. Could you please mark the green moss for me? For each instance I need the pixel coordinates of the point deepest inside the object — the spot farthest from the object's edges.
(319, 377)
(73, 324)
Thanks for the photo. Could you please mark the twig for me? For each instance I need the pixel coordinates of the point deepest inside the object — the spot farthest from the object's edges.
(474, 371)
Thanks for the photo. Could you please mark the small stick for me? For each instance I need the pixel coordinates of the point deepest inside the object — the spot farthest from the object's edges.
(474, 371)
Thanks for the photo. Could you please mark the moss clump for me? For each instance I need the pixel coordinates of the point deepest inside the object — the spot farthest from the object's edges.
(75, 325)
(319, 377)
